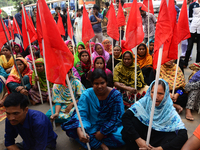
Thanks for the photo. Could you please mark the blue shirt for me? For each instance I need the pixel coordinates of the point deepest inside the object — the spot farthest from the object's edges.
(96, 27)
(36, 132)
(18, 18)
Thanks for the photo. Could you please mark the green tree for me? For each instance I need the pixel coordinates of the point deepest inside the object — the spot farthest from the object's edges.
(25, 2)
(4, 14)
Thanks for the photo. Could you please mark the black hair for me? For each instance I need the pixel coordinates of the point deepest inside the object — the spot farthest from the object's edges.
(7, 47)
(57, 7)
(127, 52)
(83, 51)
(34, 8)
(99, 57)
(118, 47)
(107, 4)
(79, 10)
(122, 2)
(20, 8)
(18, 54)
(160, 82)
(64, 10)
(35, 42)
(96, 7)
(142, 44)
(97, 73)
(37, 54)
(81, 45)
(16, 99)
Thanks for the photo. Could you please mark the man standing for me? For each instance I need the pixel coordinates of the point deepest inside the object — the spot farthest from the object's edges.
(33, 126)
(78, 25)
(18, 17)
(34, 16)
(96, 19)
(152, 23)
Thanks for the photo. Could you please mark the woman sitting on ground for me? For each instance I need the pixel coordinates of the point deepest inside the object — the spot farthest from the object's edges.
(100, 51)
(83, 67)
(80, 47)
(117, 57)
(107, 46)
(34, 91)
(145, 61)
(124, 79)
(167, 72)
(29, 58)
(7, 58)
(168, 130)
(14, 83)
(64, 106)
(17, 49)
(68, 42)
(193, 103)
(151, 47)
(101, 109)
(99, 63)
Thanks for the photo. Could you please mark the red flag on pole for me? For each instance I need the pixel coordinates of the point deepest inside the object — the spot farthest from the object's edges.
(121, 21)
(69, 26)
(134, 31)
(112, 26)
(183, 24)
(10, 28)
(27, 26)
(58, 58)
(60, 25)
(87, 30)
(145, 2)
(3, 39)
(16, 27)
(163, 31)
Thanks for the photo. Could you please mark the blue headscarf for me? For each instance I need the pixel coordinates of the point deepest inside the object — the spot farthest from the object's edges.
(195, 77)
(165, 119)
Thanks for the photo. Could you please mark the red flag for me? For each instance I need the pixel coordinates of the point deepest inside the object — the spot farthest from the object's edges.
(58, 58)
(60, 25)
(10, 28)
(87, 30)
(69, 26)
(120, 16)
(16, 27)
(3, 39)
(163, 31)
(145, 2)
(183, 24)
(27, 26)
(112, 26)
(134, 31)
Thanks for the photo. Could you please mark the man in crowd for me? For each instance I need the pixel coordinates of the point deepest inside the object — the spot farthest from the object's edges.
(96, 19)
(78, 25)
(34, 16)
(33, 126)
(18, 17)
(152, 23)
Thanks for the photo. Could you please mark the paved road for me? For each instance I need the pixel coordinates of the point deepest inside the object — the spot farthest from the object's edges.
(63, 142)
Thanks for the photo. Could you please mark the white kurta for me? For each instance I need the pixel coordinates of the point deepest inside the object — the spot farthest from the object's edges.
(78, 27)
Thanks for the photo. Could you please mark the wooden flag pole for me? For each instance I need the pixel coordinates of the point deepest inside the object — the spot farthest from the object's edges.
(13, 56)
(113, 65)
(154, 94)
(135, 72)
(177, 65)
(148, 24)
(76, 108)
(38, 84)
(90, 52)
(120, 39)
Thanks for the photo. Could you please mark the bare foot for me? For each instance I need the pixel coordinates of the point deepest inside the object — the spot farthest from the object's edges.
(104, 147)
(178, 107)
(188, 115)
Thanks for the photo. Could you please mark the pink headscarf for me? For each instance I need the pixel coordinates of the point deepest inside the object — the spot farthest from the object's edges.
(105, 53)
(20, 48)
(67, 41)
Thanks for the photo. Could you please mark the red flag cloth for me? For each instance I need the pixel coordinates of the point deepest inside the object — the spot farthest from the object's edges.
(145, 2)
(3, 39)
(87, 30)
(112, 26)
(163, 31)
(134, 30)
(16, 27)
(69, 26)
(120, 16)
(60, 25)
(10, 29)
(58, 58)
(183, 24)
(27, 27)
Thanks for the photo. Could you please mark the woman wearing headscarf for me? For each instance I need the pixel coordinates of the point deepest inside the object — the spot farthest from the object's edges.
(107, 46)
(80, 47)
(151, 47)
(145, 61)
(34, 91)
(68, 42)
(167, 72)
(14, 82)
(124, 79)
(117, 57)
(29, 58)
(195, 67)
(83, 67)
(64, 106)
(168, 130)
(100, 51)
(17, 49)
(193, 87)
(87, 46)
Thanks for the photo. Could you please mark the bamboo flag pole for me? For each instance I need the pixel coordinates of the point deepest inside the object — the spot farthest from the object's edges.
(113, 59)
(19, 34)
(38, 84)
(177, 65)
(135, 72)
(90, 52)
(120, 39)
(48, 88)
(154, 94)
(76, 108)
(148, 24)
(13, 56)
